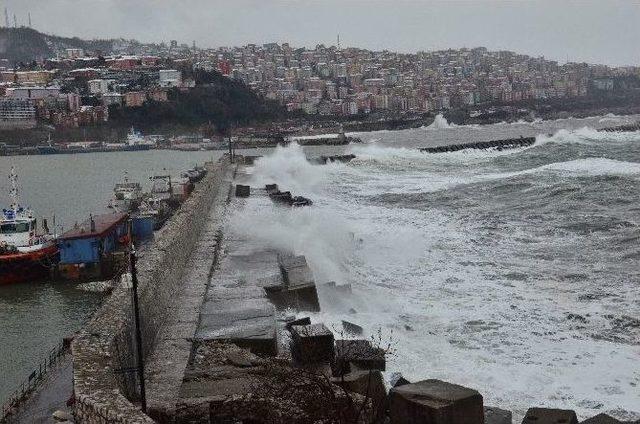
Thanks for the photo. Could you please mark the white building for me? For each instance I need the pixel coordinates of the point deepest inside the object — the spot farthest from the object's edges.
(32, 92)
(99, 86)
(170, 78)
(109, 99)
(17, 113)
(74, 53)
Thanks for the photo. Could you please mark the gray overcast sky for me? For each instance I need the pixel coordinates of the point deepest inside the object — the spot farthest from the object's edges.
(606, 31)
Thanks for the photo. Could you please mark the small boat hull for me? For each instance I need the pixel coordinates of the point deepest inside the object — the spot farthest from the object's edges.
(22, 267)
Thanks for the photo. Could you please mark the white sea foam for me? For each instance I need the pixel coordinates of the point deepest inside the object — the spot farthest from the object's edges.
(440, 123)
(482, 314)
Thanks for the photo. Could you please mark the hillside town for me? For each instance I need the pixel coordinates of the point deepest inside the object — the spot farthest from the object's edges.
(79, 88)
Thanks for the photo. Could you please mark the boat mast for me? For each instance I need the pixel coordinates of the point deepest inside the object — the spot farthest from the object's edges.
(13, 193)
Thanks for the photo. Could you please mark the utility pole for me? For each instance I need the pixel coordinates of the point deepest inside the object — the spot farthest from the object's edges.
(136, 312)
(230, 150)
(6, 17)
(29, 19)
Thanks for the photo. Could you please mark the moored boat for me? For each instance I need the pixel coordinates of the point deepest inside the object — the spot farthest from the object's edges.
(127, 196)
(27, 253)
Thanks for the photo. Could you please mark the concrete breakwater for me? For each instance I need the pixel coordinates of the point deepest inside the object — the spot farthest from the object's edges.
(103, 352)
(622, 128)
(510, 143)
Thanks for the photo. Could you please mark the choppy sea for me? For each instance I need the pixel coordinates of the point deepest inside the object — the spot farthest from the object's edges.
(514, 272)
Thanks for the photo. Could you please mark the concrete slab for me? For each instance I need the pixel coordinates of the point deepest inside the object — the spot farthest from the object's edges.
(247, 323)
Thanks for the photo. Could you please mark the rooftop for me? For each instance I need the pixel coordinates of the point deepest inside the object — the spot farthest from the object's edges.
(103, 224)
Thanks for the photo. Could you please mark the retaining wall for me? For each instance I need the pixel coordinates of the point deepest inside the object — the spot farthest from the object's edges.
(103, 352)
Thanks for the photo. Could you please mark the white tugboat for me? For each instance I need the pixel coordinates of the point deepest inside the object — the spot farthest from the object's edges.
(26, 253)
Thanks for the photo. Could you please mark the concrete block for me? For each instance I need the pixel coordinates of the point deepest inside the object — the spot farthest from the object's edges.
(397, 380)
(435, 402)
(300, 321)
(312, 343)
(493, 415)
(281, 197)
(351, 328)
(368, 383)
(271, 284)
(360, 353)
(271, 188)
(243, 190)
(550, 416)
(249, 323)
(601, 419)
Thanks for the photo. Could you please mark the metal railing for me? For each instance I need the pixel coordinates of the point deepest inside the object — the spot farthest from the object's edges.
(21, 394)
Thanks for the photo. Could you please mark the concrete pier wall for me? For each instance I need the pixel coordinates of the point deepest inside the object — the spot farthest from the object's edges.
(103, 352)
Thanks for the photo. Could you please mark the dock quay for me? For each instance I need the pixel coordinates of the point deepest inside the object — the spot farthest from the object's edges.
(228, 336)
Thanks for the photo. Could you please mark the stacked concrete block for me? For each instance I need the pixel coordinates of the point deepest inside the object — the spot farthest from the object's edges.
(299, 288)
(358, 354)
(312, 343)
(435, 402)
(368, 383)
(550, 416)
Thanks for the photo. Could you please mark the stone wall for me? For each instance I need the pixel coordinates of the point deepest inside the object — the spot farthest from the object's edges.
(103, 352)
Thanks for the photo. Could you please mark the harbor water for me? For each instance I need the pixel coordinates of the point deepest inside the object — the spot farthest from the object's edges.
(35, 317)
(513, 272)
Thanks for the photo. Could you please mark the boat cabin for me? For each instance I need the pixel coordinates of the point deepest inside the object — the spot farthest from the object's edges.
(94, 248)
(17, 228)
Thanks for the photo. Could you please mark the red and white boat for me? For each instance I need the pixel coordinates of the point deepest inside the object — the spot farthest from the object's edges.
(26, 253)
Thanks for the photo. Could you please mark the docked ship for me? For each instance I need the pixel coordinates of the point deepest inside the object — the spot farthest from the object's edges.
(27, 253)
(127, 196)
(135, 141)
